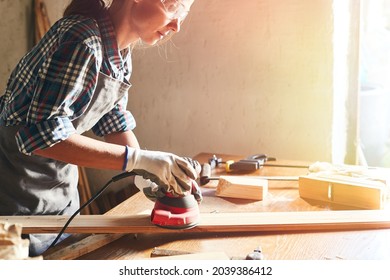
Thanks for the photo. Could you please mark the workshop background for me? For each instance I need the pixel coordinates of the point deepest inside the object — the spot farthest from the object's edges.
(242, 77)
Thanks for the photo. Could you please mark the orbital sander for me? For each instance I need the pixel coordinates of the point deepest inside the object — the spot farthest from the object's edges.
(177, 212)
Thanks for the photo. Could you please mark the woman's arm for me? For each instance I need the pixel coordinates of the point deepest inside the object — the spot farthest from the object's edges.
(123, 138)
(88, 152)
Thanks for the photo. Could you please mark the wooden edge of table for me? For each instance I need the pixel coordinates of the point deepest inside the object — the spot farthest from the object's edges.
(211, 222)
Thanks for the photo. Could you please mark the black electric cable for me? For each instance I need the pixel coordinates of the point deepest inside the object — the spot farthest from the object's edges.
(113, 179)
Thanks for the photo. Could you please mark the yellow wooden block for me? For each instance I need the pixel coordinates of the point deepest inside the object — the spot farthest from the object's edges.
(344, 190)
(244, 187)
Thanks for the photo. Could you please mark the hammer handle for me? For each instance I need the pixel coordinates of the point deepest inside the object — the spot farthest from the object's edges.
(205, 174)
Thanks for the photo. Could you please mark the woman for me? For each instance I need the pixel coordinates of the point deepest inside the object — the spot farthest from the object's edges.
(76, 79)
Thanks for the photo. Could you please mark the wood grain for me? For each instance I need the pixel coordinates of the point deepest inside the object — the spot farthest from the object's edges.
(212, 222)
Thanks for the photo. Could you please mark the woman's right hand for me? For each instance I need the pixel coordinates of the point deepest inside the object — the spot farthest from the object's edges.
(171, 173)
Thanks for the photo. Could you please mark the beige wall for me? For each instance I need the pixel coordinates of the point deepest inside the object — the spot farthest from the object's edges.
(240, 79)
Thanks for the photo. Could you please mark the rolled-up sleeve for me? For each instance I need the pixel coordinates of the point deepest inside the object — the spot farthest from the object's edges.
(119, 119)
(44, 134)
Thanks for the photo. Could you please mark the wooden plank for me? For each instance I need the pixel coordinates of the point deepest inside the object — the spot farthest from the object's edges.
(85, 193)
(212, 222)
(344, 190)
(40, 25)
(197, 256)
(242, 187)
(160, 252)
(82, 247)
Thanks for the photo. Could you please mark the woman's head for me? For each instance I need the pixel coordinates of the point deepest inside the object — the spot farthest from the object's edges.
(147, 20)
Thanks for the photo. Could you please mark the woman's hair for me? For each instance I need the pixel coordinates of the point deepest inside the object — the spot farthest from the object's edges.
(90, 8)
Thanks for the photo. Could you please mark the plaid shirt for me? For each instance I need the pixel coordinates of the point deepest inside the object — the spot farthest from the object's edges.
(54, 82)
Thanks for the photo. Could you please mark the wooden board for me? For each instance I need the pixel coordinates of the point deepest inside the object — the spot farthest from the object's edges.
(197, 256)
(242, 187)
(212, 222)
(82, 247)
(355, 192)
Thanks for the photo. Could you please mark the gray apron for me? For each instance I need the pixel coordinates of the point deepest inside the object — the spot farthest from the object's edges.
(34, 185)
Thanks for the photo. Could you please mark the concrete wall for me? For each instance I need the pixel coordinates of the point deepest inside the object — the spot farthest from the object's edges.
(16, 21)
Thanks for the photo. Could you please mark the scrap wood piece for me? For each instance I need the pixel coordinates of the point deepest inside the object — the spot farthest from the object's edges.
(82, 247)
(159, 252)
(352, 185)
(355, 192)
(242, 187)
(213, 222)
(197, 256)
(42, 22)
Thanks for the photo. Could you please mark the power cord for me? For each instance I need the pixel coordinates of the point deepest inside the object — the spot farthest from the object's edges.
(113, 179)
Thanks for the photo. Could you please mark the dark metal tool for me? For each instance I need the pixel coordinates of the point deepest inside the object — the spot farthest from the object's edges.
(256, 161)
(205, 176)
(251, 163)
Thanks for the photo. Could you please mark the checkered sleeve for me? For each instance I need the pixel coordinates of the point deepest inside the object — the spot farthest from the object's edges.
(118, 119)
(64, 87)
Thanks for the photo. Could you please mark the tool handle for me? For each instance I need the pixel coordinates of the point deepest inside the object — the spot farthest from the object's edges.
(205, 174)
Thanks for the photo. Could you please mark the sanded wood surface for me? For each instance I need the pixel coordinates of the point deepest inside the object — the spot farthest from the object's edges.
(212, 222)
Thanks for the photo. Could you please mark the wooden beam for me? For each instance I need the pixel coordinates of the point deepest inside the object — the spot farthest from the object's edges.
(197, 256)
(344, 190)
(212, 222)
(242, 187)
(82, 247)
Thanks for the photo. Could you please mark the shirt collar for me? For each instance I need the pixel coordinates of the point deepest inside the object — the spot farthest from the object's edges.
(117, 58)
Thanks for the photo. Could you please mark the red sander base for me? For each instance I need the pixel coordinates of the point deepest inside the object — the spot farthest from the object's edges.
(176, 212)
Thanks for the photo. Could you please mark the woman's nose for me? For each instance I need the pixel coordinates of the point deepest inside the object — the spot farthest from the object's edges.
(174, 25)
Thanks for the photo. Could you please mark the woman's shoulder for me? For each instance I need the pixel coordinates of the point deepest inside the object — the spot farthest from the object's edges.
(77, 29)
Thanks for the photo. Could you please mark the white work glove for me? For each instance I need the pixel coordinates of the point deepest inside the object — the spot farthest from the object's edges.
(152, 191)
(169, 172)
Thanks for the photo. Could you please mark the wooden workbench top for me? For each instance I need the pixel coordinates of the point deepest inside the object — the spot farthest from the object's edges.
(282, 196)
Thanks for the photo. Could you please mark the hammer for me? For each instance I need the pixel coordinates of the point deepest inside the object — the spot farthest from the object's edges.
(205, 176)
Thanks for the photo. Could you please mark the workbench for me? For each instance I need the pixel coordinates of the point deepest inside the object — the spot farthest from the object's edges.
(282, 196)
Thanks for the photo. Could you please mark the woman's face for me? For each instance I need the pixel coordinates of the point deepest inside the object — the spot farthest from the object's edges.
(148, 20)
